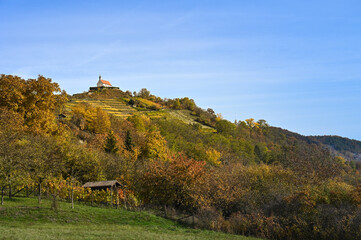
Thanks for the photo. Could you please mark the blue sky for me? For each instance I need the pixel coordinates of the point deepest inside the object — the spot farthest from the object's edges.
(296, 64)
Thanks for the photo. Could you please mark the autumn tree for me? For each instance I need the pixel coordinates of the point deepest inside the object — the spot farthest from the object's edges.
(155, 146)
(98, 121)
(35, 100)
(173, 183)
(140, 122)
(12, 90)
(80, 164)
(10, 161)
(44, 159)
(11, 132)
(92, 119)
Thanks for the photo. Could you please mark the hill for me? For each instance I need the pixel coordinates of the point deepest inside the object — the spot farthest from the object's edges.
(24, 218)
(350, 149)
(244, 177)
(123, 105)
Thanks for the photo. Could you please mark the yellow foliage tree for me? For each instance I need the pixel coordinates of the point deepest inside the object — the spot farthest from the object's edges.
(141, 122)
(93, 119)
(251, 123)
(213, 157)
(155, 146)
(35, 100)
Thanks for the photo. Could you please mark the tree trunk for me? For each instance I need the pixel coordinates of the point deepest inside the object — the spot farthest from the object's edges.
(54, 205)
(39, 193)
(27, 191)
(111, 196)
(72, 189)
(10, 190)
(125, 199)
(117, 197)
(2, 196)
(92, 197)
(72, 195)
(165, 211)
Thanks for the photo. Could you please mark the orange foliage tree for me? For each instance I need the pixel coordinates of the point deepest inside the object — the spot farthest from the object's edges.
(173, 183)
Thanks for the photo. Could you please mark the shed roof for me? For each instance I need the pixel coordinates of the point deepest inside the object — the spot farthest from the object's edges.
(101, 184)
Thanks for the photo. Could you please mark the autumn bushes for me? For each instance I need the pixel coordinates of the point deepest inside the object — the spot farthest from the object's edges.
(259, 200)
(173, 183)
(303, 214)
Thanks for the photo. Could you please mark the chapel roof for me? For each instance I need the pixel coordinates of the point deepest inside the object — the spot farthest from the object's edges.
(105, 82)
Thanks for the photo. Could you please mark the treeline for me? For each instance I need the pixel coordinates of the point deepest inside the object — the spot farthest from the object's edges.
(246, 178)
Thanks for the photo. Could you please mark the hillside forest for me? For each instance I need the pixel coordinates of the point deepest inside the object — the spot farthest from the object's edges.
(242, 177)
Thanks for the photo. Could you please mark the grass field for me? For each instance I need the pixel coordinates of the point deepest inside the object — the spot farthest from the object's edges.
(23, 218)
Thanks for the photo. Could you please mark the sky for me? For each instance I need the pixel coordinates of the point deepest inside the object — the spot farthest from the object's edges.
(296, 64)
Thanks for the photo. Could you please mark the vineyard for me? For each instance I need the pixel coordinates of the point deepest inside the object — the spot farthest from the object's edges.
(118, 108)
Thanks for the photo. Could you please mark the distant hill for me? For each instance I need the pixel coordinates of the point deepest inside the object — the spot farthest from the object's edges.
(347, 148)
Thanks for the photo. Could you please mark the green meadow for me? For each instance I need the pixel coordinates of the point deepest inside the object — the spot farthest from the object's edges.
(24, 218)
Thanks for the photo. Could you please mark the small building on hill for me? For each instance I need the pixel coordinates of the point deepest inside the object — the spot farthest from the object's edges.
(102, 84)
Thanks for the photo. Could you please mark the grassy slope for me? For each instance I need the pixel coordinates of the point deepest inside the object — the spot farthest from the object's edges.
(22, 218)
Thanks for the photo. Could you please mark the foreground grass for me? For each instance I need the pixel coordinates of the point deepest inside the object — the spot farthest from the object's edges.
(23, 218)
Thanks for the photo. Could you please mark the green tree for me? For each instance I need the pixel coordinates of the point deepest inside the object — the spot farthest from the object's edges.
(177, 104)
(111, 143)
(128, 142)
(225, 127)
(144, 93)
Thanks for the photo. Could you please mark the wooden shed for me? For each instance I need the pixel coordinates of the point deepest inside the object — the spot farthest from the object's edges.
(102, 185)
(112, 185)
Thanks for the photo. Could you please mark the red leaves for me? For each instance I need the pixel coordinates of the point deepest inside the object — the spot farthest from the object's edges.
(175, 182)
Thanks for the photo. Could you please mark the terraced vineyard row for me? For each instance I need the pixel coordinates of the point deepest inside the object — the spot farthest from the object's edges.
(112, 106)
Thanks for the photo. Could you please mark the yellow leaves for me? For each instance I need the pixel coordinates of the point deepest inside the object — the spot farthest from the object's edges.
(219, 117)
(141, 122)
(93, 119)
(213, 157)
(22, 142)
(251, 123)
(33, 99)
(156, 146)
(11, 92)
(337, 191)
(99, 121)
(341, 160)
(10, 120)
